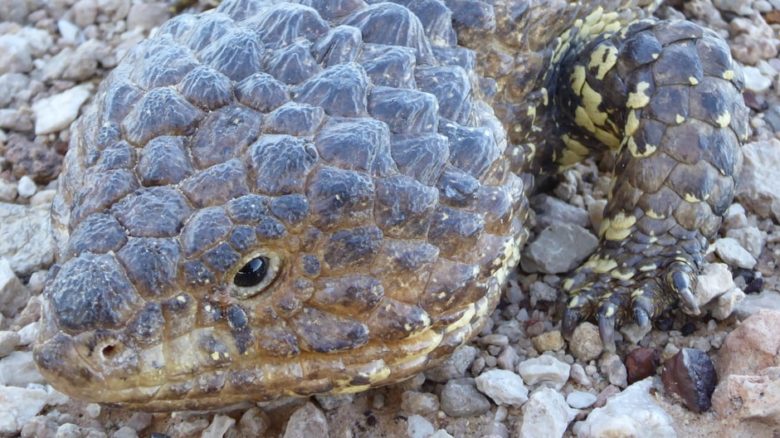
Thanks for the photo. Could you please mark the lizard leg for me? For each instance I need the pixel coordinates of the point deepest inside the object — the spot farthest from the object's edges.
(664, 97)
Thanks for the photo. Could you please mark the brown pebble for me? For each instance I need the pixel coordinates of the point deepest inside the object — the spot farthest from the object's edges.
(690, 374)
(641, 363)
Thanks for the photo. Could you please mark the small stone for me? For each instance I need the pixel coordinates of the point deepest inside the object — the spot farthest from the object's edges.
(70, 430)
(57, 112)
(550, 210)
(611, 365)
(755, 80)
(714, 281)
(18, 369)
(641, 363)
(139, 421)
(690, 375)
(585, 342)
(579, 375)
(507, 359)
(753, 303)
(8, 342)
(731, 252)
(752, 346)
(15, 55)
(26, 187)
(307, 421)
(219, 425)
(750, 238)
(503, 387)
(125, 432)
(25, 237)
(16, 119)
(190, 427)
(93, 410)
(760, 177)
(634, 333)
(558, 248)
(548, 341)
(84, 12)
(545, 370)
(545, 415)
(18, 406)
(13, 294)
(418, 427)
(254, 422)
(749, 397)
(146, 16)
(7, 191)
(39, 426)
(421, 403)
(734, 217)
(726, 303)
(32, 159)
(441, 433)
(580, 399)
(541, 291)
(460, 398)
(454, 366)
(331, 402)
(68, 31)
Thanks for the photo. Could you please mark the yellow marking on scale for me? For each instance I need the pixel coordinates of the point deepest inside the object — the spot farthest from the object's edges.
(647, 268)
(619, 227)
(654, 214)
(591, 101)
(728, 75)
(600, 265)
(603, 59)
(691, 198)
(693, 80)
(634, 149)
(573, 302)
(568, 283)
(577, 79)
(723, 120)
(639, 98)
(618, 275)
(610, 311)
(679, 119)
(632, 123)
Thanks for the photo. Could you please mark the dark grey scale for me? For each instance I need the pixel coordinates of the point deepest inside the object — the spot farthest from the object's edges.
(352, 248)
(421, 157)
(310, 265)
(146, 328)
(455, 280)
(707, 102)
(207, 29)
(678, 63)
(241, 9)
(356, 144)
(281, 163)
(333, 9)
(163, 161)
(119, 155)
(221, 258)
(404, 266)
(456, 56)
(639, 49)
(280, 24)
(296, 119)
(262, 92)
(471, 14)
(471, 149)
(151, 264)
(178, 26)
(715, 59)
(166, 63)
(338, 197)
(390, 66)
(457, 188)
(277, 341)
(106, 135)
(161, 111)
(325, 333)
(340, 46)
(98, 233)
(216, 353)
(394, 25)
(205, 228)
(351, 294)
(669, 102)
(293, 64)
(404, 111)
(672, 31)
(681, 142)
(93, 292)
(650, 174)
(101, 191)
(452, 88)
(166, 205)
(248, 209)
(340, 90)
(269, 228)
(224, 134)
(237, 54)
(436, 19)
(239, 327)
(117, 101)
(394, 320)
(499, 207)
(290, 209)
(217, 184)
(454, 230)
(404, 206)
(196, 274)
(242, 238)
(206, 88)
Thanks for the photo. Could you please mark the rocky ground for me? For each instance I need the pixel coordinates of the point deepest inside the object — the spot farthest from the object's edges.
(519, 378)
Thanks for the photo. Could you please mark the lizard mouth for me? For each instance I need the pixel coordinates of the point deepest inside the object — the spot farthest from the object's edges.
(103, 369)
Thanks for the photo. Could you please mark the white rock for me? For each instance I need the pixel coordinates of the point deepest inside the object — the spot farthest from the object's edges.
(731, 252)
(13, 294)
(84, 12)
(632, 413)
(546, 370)
(750, 238)
(28, 333)
(418, 427)
(581, 399)
(755, 80)
(55, 113)
(18, 406)
(25, 237)
(68, 30)
(760, 177)
(18, 369)
(545, 415)
(7, 191)
(767, 299)
(26, 187)
(15, 56)
(125, 432)
(38, 40)
(219, 425)
(714, 281)
(727, 303)
(307, 421)
(441, 433)
(8, 342)
(504, 387)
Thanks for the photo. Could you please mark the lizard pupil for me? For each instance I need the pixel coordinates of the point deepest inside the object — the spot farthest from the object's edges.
(252, 273)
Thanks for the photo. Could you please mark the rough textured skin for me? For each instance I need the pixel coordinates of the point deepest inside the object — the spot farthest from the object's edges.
(355, 147)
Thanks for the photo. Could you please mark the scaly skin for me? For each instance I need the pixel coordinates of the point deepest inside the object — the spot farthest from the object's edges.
(356, 150)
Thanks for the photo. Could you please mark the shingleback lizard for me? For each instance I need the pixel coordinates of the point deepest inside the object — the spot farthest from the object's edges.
(276, 198)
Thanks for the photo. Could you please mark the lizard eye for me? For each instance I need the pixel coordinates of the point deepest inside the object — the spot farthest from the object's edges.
(254, 274)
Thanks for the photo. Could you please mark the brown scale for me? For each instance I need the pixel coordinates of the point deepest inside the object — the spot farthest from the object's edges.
(273, 199)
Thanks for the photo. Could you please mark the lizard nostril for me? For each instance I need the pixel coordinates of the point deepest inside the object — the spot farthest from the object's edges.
(109, 351)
